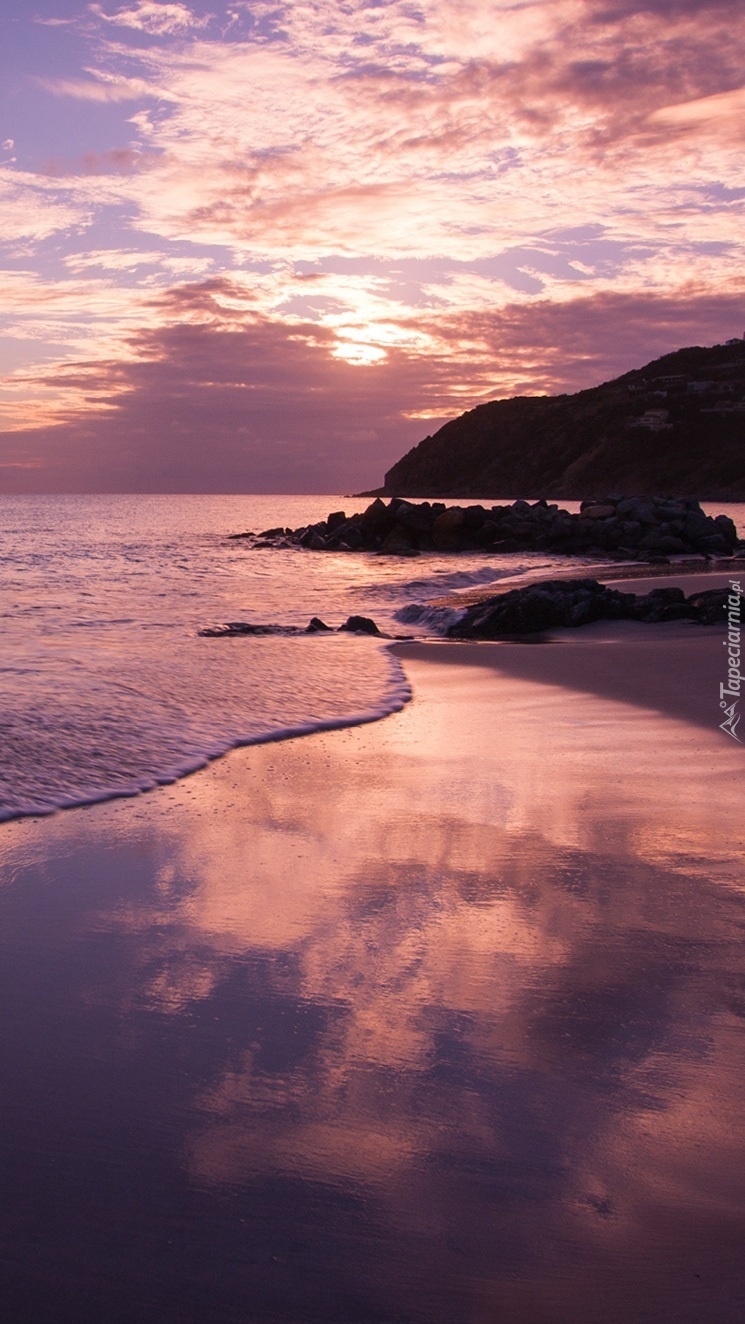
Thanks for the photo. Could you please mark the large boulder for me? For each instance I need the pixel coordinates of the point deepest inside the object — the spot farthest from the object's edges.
(446, 529)
(360, 625)
(398, 542)
(597, 512)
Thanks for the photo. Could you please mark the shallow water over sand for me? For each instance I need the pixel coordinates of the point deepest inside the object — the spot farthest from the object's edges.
(436, 1021)
(106, 687)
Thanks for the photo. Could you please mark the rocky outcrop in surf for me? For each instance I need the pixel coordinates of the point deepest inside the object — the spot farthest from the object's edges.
(616, 527)
(353, 625)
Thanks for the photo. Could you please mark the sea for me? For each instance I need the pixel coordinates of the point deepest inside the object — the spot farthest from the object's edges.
(107, 687)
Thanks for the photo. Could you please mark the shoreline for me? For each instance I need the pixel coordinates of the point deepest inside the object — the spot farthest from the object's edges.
(697, 571)
(669, 636)
(673, 668)
(397, 1021)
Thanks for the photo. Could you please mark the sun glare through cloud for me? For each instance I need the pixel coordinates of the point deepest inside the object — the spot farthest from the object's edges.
(359, 353)
(470, 179)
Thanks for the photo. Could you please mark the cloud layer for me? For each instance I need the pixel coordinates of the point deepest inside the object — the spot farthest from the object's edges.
(216, 396)
(418, 197)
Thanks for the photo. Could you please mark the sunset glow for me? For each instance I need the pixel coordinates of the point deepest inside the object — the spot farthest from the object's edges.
(226, 216)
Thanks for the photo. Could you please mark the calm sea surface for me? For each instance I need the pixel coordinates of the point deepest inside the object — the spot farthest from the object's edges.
(106, 687)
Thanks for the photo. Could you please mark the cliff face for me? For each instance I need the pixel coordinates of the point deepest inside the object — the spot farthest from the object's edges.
(673, 428)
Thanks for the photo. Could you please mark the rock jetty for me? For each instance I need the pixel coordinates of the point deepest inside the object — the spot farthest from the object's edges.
(554, 603)
(616, 527)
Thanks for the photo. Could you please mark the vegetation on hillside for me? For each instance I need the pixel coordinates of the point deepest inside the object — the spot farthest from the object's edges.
(675, 427)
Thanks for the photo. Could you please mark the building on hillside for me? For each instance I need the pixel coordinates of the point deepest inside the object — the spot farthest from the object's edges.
(654, 420)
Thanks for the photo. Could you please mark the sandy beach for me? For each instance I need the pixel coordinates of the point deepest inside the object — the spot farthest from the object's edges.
(432, 1021)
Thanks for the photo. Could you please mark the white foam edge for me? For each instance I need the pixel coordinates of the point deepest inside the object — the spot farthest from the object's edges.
(398, 694)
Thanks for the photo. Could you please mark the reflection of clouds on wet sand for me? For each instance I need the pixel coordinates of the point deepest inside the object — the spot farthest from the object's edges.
(474, 966)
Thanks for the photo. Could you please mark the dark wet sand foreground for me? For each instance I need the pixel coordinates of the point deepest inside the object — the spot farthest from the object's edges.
(434, 1021)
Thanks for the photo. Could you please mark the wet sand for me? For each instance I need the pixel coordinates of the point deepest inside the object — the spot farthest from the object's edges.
(673, 668)
(433, 1021)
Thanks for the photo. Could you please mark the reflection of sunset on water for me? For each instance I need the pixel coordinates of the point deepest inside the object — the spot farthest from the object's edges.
(434, 974)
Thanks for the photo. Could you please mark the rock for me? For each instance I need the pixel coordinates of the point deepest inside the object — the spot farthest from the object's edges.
(630, 531)
(695, 524)
(661, 604)
(537, 607)
(667, 543)
(715, 545)
(354, 537)
(667, 593)
(636, 508)
(355, 625)
(487, 535)
(376, 513)
(522, 529)
(473, 518)
(614, 527)
(573, 602)
(597, 512)
(360, 625)
(710, 606)
(350, 536)
(727, 530)
(446, 529)
(398, 543)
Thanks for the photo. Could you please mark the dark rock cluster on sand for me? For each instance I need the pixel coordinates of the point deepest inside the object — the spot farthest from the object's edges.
(620, 528)
(571, 602)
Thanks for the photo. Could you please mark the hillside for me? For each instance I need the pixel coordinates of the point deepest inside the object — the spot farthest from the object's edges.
(673, 428)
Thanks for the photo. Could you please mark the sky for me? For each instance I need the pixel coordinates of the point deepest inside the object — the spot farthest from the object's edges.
(262, 247)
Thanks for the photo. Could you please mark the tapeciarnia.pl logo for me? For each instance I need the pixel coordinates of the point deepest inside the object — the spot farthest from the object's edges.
(731, 691)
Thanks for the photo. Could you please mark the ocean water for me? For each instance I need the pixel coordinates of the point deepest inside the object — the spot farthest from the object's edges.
(107, 688)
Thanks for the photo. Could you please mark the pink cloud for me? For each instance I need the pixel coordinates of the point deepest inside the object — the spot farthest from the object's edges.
(554, 347)
(114, 161)
(161, 20)
(212, 405)
(102, 89)
(484, 196)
